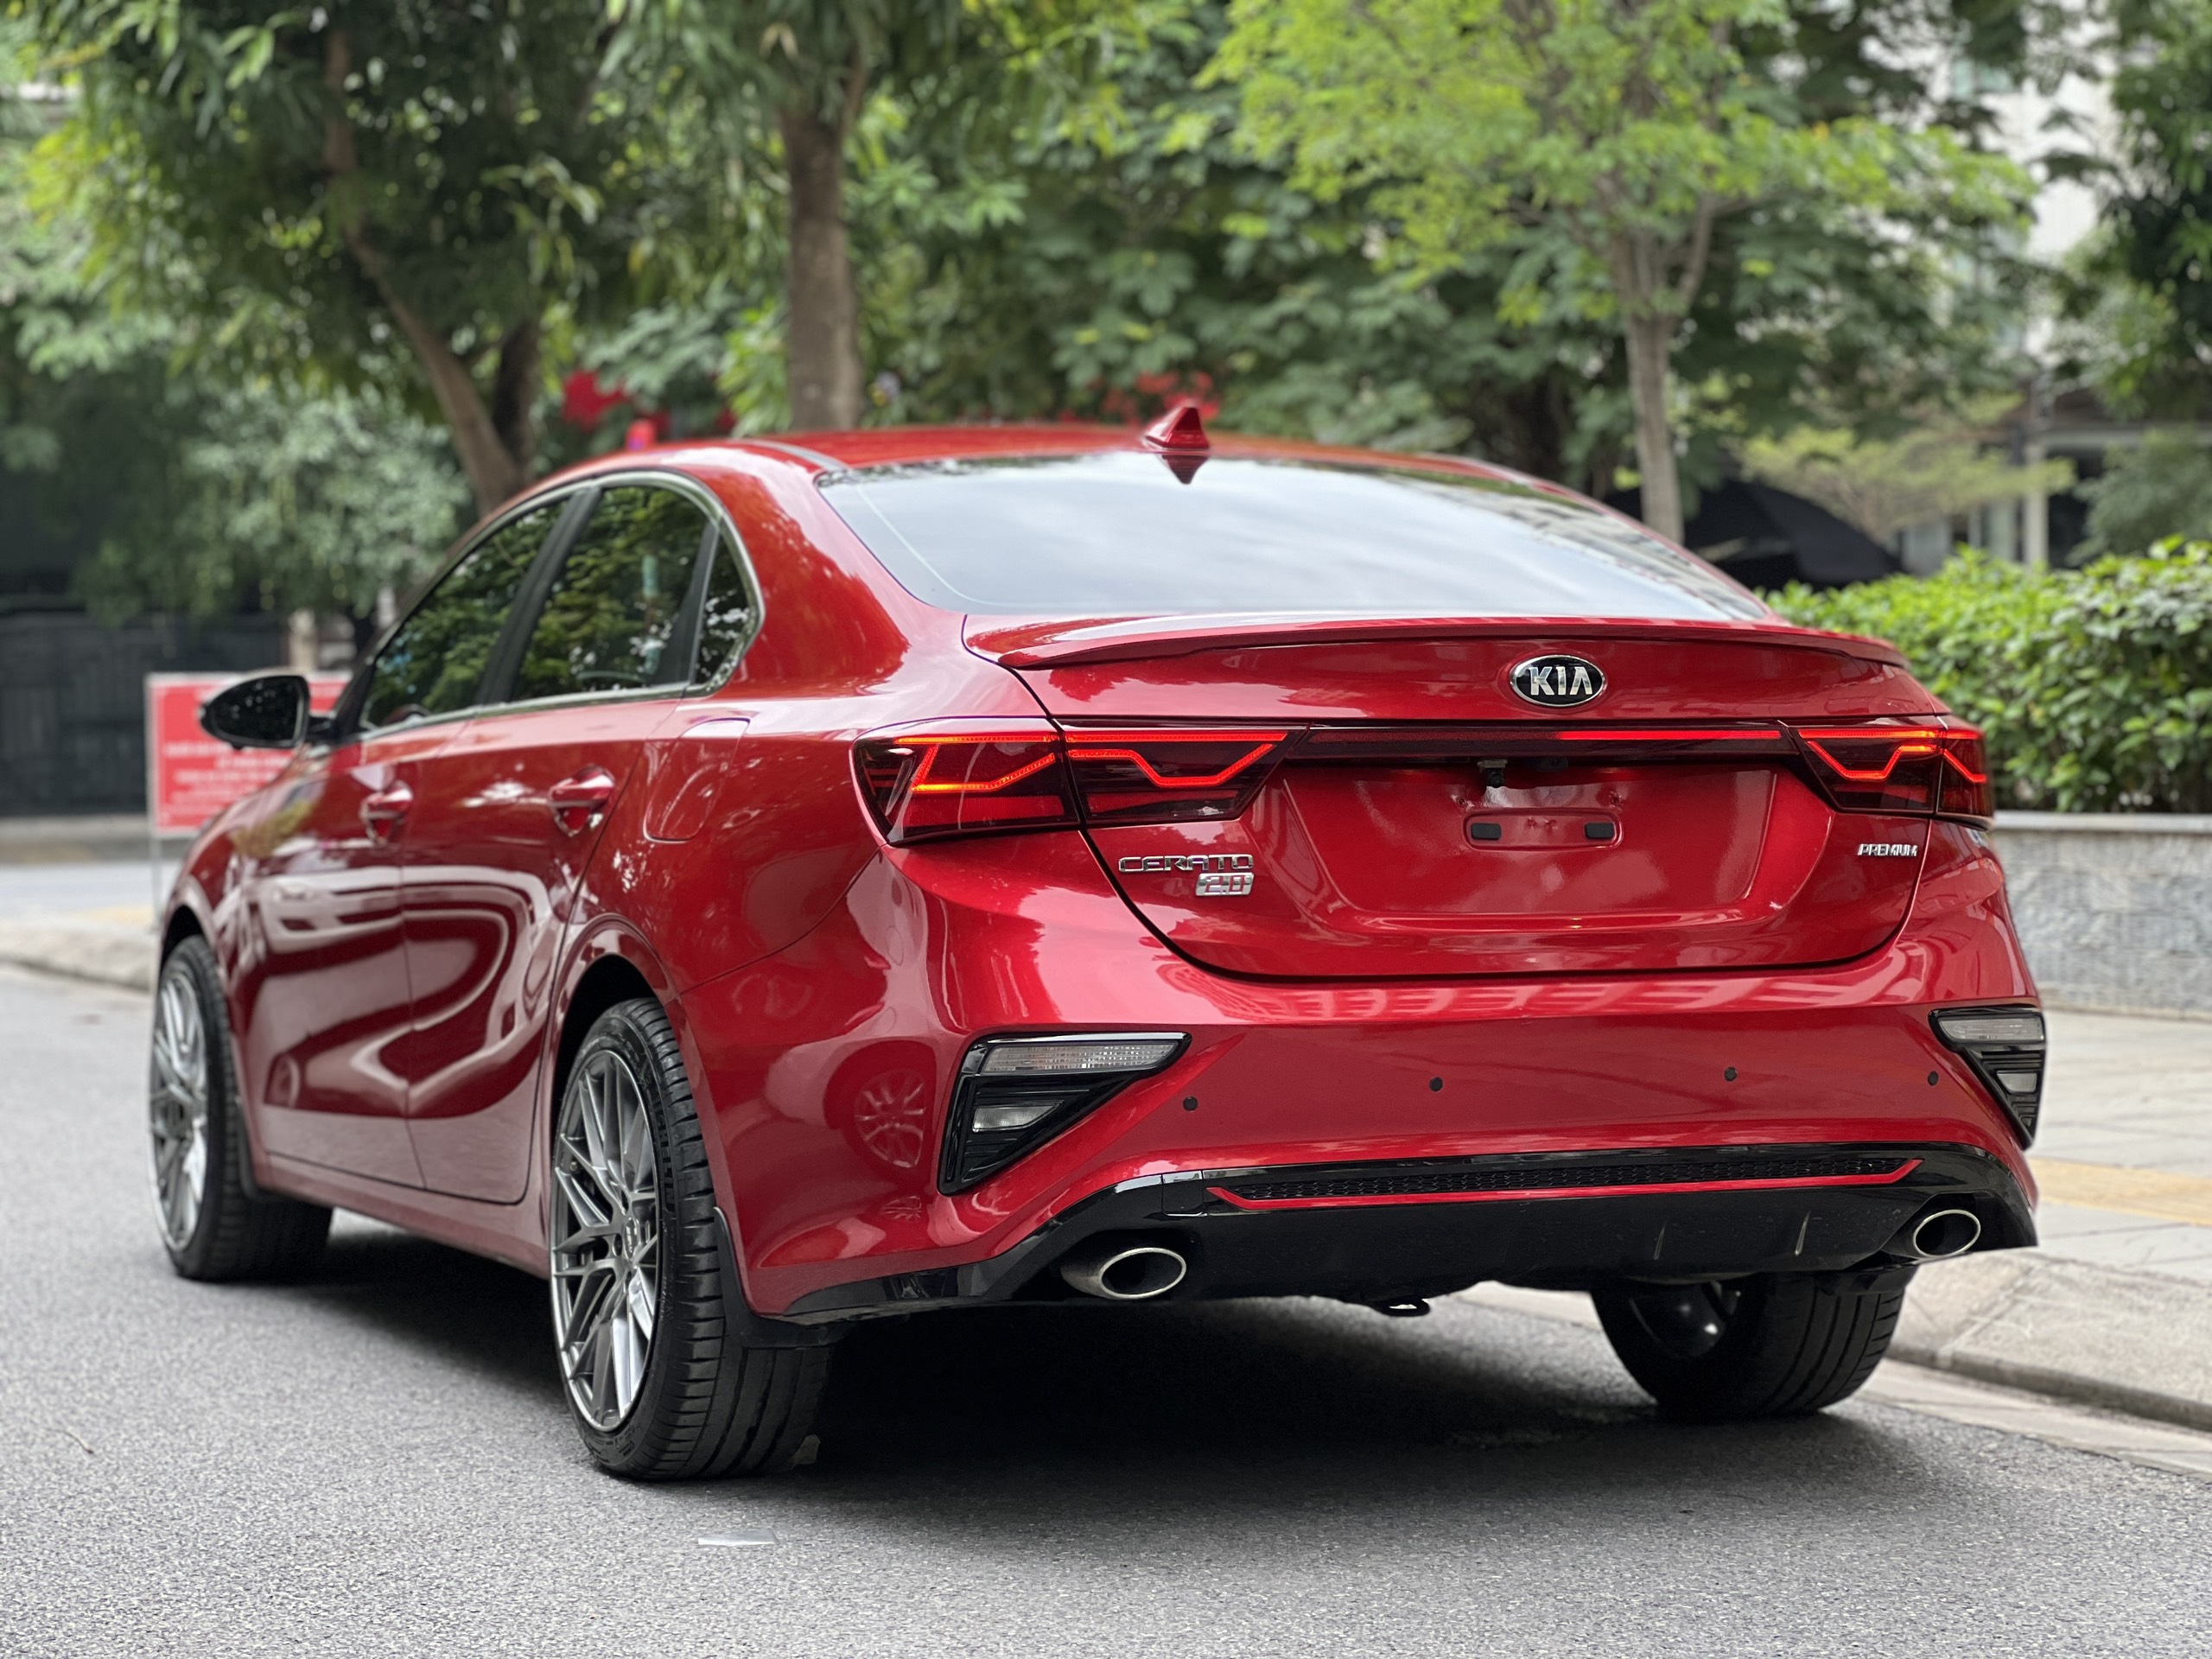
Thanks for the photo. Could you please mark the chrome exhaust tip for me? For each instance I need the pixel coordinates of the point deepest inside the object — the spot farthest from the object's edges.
(1125, 1273)
(1937, 1236)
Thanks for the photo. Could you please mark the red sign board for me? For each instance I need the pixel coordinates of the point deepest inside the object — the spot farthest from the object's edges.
(190, 775)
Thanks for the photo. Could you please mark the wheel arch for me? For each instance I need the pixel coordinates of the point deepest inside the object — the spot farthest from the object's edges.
(184, 919)
(610, 980)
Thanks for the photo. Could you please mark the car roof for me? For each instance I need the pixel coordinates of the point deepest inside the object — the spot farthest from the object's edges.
(893, 445)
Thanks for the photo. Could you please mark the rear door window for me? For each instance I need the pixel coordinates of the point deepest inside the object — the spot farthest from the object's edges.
(614, 618)
(1123, 534)
(435, 662)
(729, 614)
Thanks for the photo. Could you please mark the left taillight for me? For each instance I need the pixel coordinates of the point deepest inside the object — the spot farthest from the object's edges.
(1148, 775)
(922, 783)
(966, 777)
(1936, 768)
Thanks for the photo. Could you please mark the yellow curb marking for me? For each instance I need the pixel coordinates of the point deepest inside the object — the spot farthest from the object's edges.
(2158, 1193)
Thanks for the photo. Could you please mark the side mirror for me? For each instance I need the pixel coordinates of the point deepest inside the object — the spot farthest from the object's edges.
(268, 712)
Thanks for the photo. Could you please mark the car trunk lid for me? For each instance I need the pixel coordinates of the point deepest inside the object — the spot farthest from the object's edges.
(1377, 799)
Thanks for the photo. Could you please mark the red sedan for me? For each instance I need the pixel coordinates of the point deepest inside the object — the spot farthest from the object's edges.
(764, 886)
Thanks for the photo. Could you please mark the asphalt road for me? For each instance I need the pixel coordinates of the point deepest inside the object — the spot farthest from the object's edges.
(379, 1463)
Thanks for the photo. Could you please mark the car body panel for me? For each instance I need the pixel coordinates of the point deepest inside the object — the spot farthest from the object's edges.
(932, 947)
(823, 986)
(1374, 671)
(488, 882)
(317, 963)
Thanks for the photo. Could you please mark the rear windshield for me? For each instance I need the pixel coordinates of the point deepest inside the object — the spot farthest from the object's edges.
(1121, 535)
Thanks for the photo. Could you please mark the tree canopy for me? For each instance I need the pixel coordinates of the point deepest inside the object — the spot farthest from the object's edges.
(1565, 236)
(365, 177)
(1602, 141)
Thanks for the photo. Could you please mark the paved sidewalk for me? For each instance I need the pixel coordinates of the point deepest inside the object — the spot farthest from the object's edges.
(2125, 1157)
(82, 920)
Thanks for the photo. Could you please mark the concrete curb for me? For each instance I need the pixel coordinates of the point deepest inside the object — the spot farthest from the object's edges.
(2138, 1343)
(117, 959)
(2133, 1342)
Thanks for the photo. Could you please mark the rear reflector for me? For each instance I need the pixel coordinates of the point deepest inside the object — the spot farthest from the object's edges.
(925, 782)
(1016, 1093)
(2005, 1048)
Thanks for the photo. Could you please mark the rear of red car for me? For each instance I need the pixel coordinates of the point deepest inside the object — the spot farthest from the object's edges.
(1390, 875)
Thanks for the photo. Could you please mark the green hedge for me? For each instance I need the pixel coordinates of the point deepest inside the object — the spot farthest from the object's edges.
(2094, 686)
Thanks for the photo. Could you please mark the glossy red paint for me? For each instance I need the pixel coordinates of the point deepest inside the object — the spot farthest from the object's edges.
(1393, 989)
(505, 821)
(315, 954)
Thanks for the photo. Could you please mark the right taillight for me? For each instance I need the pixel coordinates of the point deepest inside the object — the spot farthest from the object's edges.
(1964, 791)
(1920, 769)
(1877, 768)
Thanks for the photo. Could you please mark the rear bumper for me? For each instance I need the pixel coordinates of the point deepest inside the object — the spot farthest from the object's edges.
(1391, 1232)
(824, 1074)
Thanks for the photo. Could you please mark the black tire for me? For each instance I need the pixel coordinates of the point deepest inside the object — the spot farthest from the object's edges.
(706, 1406)
(235, 1233)
(1775, 1344)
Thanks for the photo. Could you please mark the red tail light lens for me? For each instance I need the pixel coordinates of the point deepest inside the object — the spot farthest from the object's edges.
(1150, 776)
(924, 784)
(1966, 792)
(1877, 768)
(1920, 769)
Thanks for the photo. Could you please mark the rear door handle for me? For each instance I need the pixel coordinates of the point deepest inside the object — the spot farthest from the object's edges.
(579, 801)
(385, 811)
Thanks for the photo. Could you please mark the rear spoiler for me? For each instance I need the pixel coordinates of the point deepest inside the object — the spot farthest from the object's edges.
(1017, 642)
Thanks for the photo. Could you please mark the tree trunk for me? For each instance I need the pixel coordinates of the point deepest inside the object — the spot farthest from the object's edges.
(1650, 347)
(514, 393)
(495, 446)
(822, 337)
(494, 471)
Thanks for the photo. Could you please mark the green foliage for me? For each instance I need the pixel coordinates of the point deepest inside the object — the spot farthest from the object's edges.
(1598, 141)
(203, 492)
(273, 499)
(478, 153)
(1119, 262)
(366, 179)
(2093, 686)
(1093, 254)
(2160, 208)
(2161, 488)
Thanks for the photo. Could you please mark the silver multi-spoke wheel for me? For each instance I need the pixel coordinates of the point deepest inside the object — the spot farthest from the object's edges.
(216, 1222)
(178, 1103)
(650, 1327)
(605, 1232)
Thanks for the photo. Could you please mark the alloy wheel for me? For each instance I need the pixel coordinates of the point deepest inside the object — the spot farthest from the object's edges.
(605, 1232)
(177, 1105)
